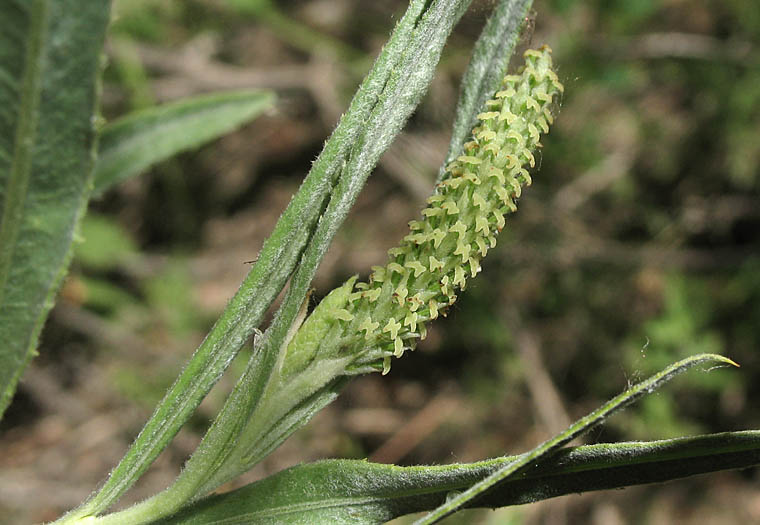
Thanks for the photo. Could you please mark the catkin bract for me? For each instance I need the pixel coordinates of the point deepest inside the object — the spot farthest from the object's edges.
(382, 318)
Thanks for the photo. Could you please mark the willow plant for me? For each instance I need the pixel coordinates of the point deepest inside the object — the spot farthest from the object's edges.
(358, 327)
(302, 361)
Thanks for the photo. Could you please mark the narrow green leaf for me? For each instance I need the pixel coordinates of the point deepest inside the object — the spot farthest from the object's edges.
(488, 65)
(131, 144)
(49, 68)
(400, 96)
(384, 102)
(358, 492)
(277, 260)
(586, 423)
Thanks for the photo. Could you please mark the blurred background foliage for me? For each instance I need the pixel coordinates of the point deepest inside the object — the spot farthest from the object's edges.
(637, 244)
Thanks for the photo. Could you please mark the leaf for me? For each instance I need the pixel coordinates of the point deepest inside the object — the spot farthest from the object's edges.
(399, 97)
(49, 68)
(277, 260)
(131, 144)
(584, 424)
(358, 492)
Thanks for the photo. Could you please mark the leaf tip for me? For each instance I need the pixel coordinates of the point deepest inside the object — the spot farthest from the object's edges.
(720, 359)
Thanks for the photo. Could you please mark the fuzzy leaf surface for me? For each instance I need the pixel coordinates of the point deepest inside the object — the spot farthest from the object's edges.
(277, 260)
(50, 53)
(551, 446)
(350, 491)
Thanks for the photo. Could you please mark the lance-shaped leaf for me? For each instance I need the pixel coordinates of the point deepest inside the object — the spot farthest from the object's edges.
(49, 67)
(361, 492)
(133, 143)
(546, 449)
(292, 236)
(356, 492)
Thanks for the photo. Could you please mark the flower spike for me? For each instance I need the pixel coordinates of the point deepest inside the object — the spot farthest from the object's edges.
(457, 228)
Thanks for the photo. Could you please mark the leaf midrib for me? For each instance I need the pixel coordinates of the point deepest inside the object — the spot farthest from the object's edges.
(26, 131)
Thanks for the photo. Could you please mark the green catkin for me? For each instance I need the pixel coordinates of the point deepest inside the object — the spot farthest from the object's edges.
(386, 316)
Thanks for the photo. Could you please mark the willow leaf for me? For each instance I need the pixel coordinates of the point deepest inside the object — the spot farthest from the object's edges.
(133, 143)
(276, 262)
(49, 69)
(584, 424)
(359, 492)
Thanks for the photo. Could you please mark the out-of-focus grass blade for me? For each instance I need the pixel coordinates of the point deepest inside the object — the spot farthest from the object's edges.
(351, 492)
(131, 144)
(49, 69)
